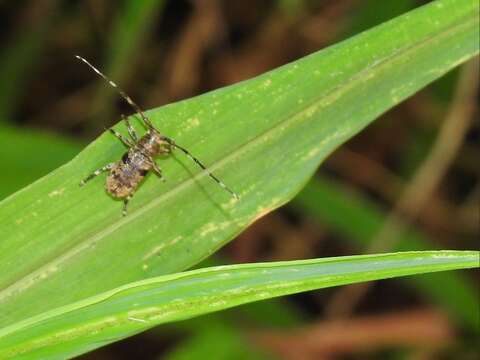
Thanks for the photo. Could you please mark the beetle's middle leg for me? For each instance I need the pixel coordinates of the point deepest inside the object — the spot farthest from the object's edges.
(125, 203)
(97, 172)
(156, 169)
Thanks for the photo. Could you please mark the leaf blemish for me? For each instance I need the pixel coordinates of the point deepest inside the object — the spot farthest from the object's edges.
(192, 123)
(266, 84)
(58, 192)
(154, 251)
(174, 241)
(131, 318)
(208, 228)
(212, 227)
(218, 303)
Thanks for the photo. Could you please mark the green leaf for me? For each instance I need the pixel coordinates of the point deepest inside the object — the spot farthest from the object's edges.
(80, 327)
(264, 137)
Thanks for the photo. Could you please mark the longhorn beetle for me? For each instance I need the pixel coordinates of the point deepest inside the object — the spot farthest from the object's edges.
(126, 175)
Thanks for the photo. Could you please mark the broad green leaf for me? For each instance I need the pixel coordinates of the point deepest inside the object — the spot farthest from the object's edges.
(96, 321)
(264, 137)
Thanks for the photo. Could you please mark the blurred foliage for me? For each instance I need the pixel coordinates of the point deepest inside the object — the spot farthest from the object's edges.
(30, 154)
(358, 220)
(176, 49)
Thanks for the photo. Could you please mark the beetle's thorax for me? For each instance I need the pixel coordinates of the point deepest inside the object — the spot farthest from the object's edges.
(153, 143)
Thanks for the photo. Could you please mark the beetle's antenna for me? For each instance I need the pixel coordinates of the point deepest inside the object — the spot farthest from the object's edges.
(147, 122)
(199, 163)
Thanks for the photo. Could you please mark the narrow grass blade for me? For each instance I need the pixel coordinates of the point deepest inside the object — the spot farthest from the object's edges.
(130, 28)
(122, 312)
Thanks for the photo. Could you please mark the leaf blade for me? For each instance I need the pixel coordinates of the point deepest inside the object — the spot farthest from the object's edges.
(135, 307)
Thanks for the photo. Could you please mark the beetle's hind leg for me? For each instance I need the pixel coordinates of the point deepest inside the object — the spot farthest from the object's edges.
(97, 172)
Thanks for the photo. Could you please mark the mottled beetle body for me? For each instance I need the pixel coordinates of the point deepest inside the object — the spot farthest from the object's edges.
(126, 175)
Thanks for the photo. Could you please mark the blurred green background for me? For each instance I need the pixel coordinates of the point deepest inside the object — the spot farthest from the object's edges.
(410, 181)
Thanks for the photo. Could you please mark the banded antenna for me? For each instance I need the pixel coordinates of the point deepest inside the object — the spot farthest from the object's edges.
(122, 93)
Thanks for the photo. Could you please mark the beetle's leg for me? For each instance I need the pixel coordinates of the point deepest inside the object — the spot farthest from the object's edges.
(96, 173)
(156, 169)
(124, 140)
(131, 130)
(125, 203)
(199, 163)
